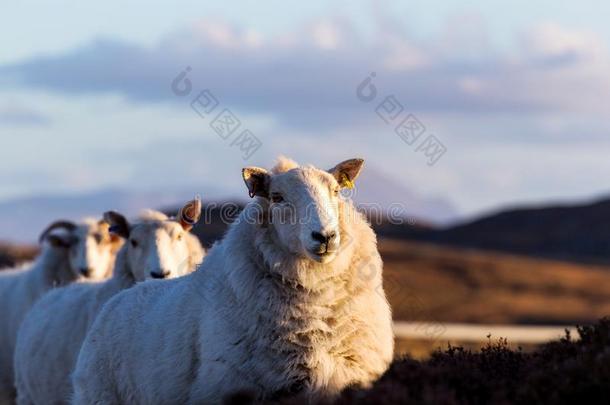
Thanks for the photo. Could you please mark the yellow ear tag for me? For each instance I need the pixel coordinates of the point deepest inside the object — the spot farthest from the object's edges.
(346, 182)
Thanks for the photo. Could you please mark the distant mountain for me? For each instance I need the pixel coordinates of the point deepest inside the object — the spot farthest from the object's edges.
(373, 187)
(574, 232)
(22, 219)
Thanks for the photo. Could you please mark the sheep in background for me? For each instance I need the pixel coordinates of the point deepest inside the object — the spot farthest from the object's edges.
(93, 249)
(51, 334)
(291, 301)
(70, 252)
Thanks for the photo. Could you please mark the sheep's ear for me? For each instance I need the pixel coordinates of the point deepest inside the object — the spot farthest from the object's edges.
(59, 241)
(190, 214)
(115, 240)
(346, 172)
(119, 226)
(257, 181)
(67, 225)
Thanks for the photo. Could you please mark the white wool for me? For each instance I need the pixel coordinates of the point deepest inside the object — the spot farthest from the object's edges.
(152, 215)
(52, 333)
(254, 317)
(20, 288)
(283, 164)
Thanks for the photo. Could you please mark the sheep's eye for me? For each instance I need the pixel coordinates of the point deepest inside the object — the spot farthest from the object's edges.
(134, 243)
(277, 198)
(179, 237)
(98, 238)
(336, 191)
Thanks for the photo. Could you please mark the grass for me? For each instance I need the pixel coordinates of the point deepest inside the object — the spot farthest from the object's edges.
(567, 371)
(422, 349)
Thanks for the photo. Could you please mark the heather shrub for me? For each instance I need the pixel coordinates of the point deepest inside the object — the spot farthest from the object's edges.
(562, 372)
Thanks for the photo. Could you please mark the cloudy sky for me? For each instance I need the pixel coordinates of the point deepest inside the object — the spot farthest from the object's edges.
(516, 92)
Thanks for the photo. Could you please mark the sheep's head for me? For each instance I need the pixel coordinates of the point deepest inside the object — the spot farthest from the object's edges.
(304, 204)
(158, 246)
(91, 248)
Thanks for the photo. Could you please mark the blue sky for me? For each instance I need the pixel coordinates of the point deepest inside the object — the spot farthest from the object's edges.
(517, 93)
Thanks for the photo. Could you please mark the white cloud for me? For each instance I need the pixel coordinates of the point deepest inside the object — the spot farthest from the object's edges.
(551, 40)
(313, 70)
(326, 35)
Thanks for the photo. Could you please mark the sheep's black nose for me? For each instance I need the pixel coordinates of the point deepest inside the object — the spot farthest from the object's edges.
(319, 237)
(159, 274)
(85, 271)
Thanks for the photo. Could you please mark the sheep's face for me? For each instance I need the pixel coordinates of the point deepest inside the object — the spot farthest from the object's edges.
(304, 205)
(304, 212)
(93, 250)
(158, 249)
(157, 246)
(89, 248)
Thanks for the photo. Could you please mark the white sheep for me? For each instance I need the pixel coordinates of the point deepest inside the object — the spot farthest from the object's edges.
(70, 252)
(289, 302)
(51, 334)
